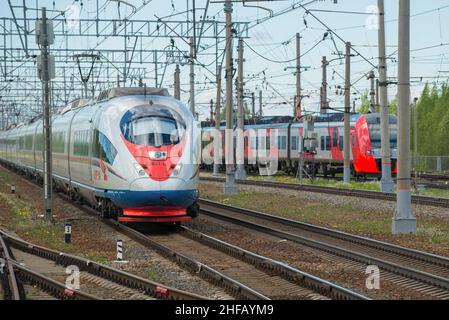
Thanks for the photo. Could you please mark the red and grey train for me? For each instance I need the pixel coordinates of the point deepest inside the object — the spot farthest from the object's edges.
(129, 152)
(286, 138)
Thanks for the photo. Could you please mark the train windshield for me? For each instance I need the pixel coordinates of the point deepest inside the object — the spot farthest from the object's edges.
(375, 132)
(152, 131)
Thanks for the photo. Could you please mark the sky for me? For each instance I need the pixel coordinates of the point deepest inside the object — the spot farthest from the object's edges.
(269, 50)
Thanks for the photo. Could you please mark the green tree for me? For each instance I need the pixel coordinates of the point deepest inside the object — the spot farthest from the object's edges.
(366, 104)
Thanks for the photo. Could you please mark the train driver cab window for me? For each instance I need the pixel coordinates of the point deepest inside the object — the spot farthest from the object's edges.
(152, 126)
(153, 132)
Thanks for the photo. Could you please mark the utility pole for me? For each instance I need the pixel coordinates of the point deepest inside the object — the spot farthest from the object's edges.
(324, 87)
(177, 91)
(217, 136)
(404, 222)
(260, 104)
(211, 111)
(240, 174)
(386, 181)
(415, 136)
(192, 77)
(346, 146)
(45, 37)
(253, 105)
(377, 96)
(372, 92)
(230, 186)
(298, 99)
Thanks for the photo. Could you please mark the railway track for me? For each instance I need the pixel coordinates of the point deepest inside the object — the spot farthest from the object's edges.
(243, 274)
(432, 176)
(421, 271)
(420, 200)
(45, 269)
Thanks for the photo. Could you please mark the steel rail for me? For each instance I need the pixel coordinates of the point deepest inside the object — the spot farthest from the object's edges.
(381, 245)
(419, 275)
(13, 287)
(421, 200)
(53, 287)
(287, 272)
(236, 288)
(123, 278)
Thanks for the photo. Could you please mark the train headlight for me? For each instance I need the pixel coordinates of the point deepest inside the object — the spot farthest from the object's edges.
(139, 170)
(177, 169)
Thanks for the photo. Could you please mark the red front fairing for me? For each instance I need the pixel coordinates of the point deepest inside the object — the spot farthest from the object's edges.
(363, 162)
(165, 214)
(158, 169)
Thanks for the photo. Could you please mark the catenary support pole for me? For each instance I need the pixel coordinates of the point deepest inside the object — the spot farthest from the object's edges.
(298, 110)
(377, 96)
(324, 87)
(217, 132)
(177, 91)
(415, 137)
(240, 158)
(47, 119)
(386, 181)
(253, 105)
(192, 77)
(230, 186)
(260, 104)
(372, 92)
(404, 222)
(346, 146)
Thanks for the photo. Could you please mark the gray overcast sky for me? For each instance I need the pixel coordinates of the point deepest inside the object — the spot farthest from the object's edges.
(274, 40)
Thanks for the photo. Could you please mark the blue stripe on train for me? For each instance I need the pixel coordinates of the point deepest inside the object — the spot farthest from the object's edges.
(133, 199)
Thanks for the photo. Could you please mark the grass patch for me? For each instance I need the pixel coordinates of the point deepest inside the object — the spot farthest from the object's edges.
(5, 178)
(99, 258)
(150, 274)
(437, 193)
(353, 185)
(433, 232)
(34, 228)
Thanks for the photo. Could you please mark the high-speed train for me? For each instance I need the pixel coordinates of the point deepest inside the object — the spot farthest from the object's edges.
(129, 152)
(283, 136)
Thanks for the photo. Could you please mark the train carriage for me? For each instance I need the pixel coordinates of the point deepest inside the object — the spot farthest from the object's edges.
(129, 153)
(285, 139)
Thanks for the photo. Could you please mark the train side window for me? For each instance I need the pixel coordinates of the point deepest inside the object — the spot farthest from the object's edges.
(323, 143)
(328, 143)
(81, 143)
(103, 148)
(342, 143)
(279, 142)
(284, 143)
(335, 137)
(268, 143)
(294, 143)
(29, 142)
(39, 142)
(57, 144)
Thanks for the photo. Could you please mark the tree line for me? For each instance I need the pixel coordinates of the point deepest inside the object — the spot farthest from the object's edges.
(433, 119)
